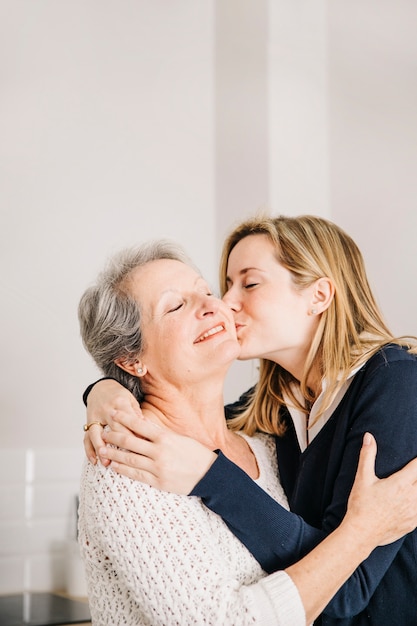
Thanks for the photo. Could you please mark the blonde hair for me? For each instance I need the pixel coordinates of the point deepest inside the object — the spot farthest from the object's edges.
(349, 331)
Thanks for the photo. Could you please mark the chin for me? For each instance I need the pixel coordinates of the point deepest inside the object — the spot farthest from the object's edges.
(245, 353)
(231, 351)
(246, 357)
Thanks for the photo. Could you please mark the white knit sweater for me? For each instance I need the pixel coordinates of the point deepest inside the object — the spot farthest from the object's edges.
(156, 558)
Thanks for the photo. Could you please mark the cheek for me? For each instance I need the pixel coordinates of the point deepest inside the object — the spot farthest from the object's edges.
(168, 334)
(254, 306)
(265, 311)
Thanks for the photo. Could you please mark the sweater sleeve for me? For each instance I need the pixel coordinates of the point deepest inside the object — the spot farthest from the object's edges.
(158, 558)
(278, 598)
(386, 407)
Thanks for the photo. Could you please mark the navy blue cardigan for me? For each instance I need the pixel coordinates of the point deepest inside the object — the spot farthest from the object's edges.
(381, 399)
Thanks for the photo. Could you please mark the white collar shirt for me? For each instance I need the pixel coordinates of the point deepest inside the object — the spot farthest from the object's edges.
(299, 418)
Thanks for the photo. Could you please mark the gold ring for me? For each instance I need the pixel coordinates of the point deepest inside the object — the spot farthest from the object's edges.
(88, 426)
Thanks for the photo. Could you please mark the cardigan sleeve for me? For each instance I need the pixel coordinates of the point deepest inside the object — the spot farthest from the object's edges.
(386, 407)
(276, 537)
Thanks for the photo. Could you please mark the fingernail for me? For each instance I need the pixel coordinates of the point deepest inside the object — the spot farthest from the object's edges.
(102, 452)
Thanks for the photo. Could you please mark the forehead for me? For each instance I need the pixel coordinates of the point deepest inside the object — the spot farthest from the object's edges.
(250, 251)
(151, 280)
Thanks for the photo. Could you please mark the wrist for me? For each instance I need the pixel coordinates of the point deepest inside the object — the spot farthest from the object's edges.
(360, 535)
(90, 387)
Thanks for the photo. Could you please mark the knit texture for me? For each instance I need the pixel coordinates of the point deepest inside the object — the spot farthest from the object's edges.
(157, 558)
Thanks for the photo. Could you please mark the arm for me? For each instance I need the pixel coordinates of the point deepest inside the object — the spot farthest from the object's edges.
(367, 523)
(386, 404)
(367, 514)
(168, 461)
(277, 537)
(105, 398)
(273, 600)
(385, 389)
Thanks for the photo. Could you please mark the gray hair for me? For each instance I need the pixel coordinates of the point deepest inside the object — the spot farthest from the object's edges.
(109, 316)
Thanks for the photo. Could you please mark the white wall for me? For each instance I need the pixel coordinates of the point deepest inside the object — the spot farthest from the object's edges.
(106, 124)
(372, 121)
(241, 131)
(107, 139)
(297, 108)
(342, 134)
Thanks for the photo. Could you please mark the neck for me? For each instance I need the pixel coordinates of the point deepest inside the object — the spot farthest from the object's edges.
(195, 411)
(296, 368)
(314, 383)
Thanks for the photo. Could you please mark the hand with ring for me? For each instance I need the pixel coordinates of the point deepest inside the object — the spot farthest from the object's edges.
(110, 406)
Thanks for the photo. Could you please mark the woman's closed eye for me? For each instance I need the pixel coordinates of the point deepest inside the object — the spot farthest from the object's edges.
(175, 307)
(250, 285)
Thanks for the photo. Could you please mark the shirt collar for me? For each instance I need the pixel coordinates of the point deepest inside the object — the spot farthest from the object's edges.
(299, 418)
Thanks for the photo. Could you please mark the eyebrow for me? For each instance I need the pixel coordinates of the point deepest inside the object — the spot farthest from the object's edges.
(173, 290)
(244, 271)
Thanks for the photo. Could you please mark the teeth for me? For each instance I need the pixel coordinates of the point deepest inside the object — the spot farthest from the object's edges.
(213, 331)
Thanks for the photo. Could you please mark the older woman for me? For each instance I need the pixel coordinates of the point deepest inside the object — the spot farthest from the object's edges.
(153, 557)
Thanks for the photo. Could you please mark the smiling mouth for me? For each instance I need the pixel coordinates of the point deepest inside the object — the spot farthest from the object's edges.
(210, 333)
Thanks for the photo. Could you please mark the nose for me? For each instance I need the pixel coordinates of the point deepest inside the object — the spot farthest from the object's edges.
(231, 299)
(208, 305)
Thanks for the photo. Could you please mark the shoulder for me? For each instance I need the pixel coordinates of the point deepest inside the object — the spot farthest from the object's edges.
(262, 444)
(394, 352)
(101, 487)
(264, 449)
(389, 374)
(111, 504)
(390, 354)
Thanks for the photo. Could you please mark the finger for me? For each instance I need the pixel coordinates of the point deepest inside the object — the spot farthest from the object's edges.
(135, 405)
(126, 443)
(119, 422)
(125, 402)
(142, 428)
(95, 435)
(89, 450)
(126, 416)
(93, 441)
(135, 461)
(135, 474)
(366, 466)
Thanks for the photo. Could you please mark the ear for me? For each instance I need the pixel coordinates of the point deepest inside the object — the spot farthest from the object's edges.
(323, 294)
(137, 368)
